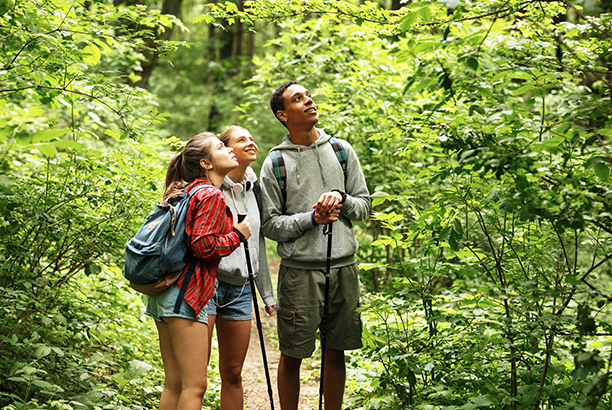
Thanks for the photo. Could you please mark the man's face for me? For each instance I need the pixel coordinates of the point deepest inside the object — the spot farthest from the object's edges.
(299, 107)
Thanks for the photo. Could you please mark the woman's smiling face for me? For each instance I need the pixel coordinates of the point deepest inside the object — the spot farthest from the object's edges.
(244, 146)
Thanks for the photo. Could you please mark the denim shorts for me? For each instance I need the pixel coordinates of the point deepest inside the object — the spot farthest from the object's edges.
(162, 305)
(231, 302)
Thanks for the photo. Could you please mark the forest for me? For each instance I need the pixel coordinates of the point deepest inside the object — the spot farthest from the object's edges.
(483, 129)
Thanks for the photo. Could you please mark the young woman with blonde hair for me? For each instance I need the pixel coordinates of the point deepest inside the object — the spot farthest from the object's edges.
(230, 308)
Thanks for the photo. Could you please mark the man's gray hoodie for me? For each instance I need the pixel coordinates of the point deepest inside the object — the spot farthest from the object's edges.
(312, 171)
(233, 268)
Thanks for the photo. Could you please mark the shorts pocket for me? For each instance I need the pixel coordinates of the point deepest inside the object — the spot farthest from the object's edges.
(285, 324)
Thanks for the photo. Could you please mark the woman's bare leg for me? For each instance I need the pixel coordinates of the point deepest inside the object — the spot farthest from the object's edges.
(233, 338)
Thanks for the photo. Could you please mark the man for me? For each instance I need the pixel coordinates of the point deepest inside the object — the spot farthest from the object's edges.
(317, 192)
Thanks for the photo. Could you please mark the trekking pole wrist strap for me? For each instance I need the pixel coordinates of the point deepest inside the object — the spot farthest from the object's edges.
(240, 235)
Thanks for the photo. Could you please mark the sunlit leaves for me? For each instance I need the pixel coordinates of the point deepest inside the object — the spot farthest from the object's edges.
(91, 54)
(500, 168)
(61, 65)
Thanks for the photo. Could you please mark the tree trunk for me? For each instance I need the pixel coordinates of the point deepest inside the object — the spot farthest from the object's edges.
(171, 7)
(251, 50)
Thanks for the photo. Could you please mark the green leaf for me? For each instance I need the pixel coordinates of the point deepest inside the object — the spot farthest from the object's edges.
(68, 144)
(409, 83)
(92, 269)
(48, 135)
(524, 88)
(43, 384)
(91, 54)
(379, 198)
(446, 32)
(425, 13)
(408, 21)
(5, 132)
(472, 62)
(121, 382)
(485, 401)
(453, 243)
(48, 150)
(522, 182)
(42, 351)
(593, 161)
(499, 76)
(551, 145)
(135, 370)
(411, 378)
(602, 171)
(476, 108)
(370, 266)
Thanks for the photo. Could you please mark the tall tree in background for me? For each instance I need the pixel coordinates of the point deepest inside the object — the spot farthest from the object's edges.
(230, 40)
(157, 36)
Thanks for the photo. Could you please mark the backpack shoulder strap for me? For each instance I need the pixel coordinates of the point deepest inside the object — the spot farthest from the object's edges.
(257, 192)
(340, 154)
(280, 173)
(189, 259)
(197, 188)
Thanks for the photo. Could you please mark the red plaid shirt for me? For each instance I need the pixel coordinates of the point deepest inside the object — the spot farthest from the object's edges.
(210, 237)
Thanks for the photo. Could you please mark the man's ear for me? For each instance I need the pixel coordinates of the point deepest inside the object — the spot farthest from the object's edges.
(280, 114)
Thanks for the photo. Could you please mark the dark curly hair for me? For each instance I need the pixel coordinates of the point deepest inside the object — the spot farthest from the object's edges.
(277, 102)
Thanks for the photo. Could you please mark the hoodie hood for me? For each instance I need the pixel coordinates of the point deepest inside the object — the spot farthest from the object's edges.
(288, 145)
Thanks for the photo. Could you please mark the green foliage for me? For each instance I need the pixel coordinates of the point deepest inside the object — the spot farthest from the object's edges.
(483, 129)
(483, 132)
(73, 188)
(63, 218)
(79, 351)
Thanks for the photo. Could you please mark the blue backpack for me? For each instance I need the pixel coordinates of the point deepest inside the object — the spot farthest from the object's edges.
(156, 256)
(280, 172)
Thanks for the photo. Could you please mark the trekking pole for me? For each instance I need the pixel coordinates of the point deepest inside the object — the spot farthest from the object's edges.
(258, 319)
(326, 231)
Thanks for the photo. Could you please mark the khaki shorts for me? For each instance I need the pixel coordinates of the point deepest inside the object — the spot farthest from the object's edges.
(300, 310)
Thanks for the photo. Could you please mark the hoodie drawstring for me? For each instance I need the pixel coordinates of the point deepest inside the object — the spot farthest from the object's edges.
(320, 164)
(298, 163)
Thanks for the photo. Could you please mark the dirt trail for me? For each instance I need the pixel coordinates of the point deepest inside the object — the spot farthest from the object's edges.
(254, 378)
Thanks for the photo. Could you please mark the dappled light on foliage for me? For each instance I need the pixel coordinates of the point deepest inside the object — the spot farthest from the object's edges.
(483, 128)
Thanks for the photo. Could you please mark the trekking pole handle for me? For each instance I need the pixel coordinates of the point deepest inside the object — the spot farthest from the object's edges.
(327, 230)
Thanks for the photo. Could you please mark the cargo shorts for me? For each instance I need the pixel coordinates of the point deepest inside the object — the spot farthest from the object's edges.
(300, 310)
